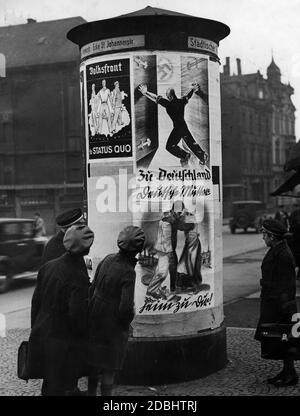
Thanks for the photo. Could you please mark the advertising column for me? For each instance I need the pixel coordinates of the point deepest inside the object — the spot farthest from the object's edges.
(153, 159)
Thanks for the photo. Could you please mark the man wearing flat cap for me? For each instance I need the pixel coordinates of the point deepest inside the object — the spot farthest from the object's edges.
(59, 307)
(278, 295)
(55, 247)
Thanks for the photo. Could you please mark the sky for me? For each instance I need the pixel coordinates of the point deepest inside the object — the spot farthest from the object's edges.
(259, 28)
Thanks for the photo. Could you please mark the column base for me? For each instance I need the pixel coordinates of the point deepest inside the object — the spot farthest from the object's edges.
(157, 361)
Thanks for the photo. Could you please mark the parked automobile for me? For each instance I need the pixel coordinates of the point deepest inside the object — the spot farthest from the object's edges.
(20, 251)
(247, 214)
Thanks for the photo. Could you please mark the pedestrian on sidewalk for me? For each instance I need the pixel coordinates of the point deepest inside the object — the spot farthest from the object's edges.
(295, 239)
(59, 309)
(111, 310)
(282, 216)
(55, 247)
(278, 293)
(39, 225)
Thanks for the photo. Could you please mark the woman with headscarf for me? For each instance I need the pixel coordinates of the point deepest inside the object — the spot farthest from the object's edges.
(111, 310)
(278, 294)
(190, 262)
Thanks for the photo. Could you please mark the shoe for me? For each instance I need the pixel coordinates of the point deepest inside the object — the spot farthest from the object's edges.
(289, 380)
(200, 288)
(173, 297)
(203, 158)
(76, 392)
(271, 380)
(153, 295)
(185, 161)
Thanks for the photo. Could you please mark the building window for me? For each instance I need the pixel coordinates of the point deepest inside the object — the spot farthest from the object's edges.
(261, 157)
(277, 123)
(266, 126)
(277, 151)
(252, 155)
(260, 94)
(286, 125)
(73, 111)
(74, 143)
(244, 127)
(251, 123)
(267, 158)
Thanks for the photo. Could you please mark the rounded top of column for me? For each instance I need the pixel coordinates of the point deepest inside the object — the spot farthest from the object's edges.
(152, 22)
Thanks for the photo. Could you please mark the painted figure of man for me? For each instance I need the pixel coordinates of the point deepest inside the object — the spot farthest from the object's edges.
(175, 109)
(117, 96)
(94, 114)
(105, 108)
(189, 276)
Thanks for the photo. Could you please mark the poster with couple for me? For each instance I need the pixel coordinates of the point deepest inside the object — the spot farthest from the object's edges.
(175, 270)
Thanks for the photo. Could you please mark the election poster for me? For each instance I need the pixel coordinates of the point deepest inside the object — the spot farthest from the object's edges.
(108, 106)
(173, 185)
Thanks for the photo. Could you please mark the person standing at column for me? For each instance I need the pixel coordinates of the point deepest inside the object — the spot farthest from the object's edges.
(278, 293)
(59, 309)
(55, 247)
(111, 310)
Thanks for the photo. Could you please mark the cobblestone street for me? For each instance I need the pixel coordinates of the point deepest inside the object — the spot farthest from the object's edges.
(244, 375)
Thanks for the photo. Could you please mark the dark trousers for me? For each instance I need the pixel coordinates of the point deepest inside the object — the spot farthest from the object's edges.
(63, 368)
(173, 262)
(172, 143)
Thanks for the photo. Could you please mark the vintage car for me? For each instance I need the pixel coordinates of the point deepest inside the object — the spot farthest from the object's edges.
(247, 214)
(20, 251)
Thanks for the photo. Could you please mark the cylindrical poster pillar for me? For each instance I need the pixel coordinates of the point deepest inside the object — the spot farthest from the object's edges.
(151, 118)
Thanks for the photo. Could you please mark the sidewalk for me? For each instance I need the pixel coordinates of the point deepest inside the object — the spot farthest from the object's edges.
(244, 375)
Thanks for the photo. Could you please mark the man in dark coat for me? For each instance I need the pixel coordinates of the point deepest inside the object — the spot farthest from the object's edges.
(278, 293)
(282, 216)
(111, 309)
(58, 338)
(55, 247)
(295, 240)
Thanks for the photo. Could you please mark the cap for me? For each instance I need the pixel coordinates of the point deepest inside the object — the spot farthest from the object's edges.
(274, 227)
(70, 217)
(78, 238)
(131, 239)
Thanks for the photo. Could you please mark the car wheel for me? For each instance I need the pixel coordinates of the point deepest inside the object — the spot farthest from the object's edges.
(5, 283)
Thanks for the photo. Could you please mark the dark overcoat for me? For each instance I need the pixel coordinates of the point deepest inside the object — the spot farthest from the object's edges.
(295, 239)
(111, 311)
(58, 338)
(54, 248)
(278, 287)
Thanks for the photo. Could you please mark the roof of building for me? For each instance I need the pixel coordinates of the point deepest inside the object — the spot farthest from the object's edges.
(273, 67)
(38, 43)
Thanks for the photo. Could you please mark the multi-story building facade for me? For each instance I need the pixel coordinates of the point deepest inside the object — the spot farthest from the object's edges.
(40, 134)
(258, 125)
